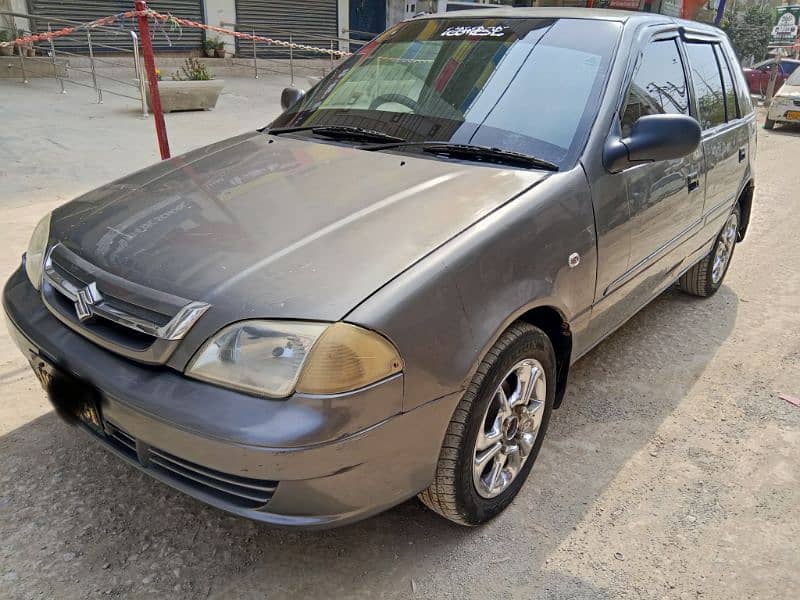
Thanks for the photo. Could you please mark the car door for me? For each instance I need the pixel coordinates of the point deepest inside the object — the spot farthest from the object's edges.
(665, 197)
(662, 202)
(724, 142)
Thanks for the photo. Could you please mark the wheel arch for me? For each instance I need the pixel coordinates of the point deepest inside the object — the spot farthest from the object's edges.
(745, 203)
(552, 321)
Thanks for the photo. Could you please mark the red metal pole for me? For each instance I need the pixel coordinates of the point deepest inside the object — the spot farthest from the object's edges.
(589, 3)
(152, 79)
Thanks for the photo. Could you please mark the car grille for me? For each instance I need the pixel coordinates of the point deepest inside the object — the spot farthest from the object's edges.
(243, 492)
(127, 318)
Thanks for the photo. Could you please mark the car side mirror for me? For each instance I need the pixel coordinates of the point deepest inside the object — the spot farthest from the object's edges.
(653, 138)
(291, 95)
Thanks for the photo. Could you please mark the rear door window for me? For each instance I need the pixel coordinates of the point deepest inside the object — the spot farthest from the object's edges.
(658, 85)
(707, 82)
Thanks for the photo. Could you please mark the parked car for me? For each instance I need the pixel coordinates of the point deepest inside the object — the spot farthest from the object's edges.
(381, 294)
(758, 75)
(785, 105)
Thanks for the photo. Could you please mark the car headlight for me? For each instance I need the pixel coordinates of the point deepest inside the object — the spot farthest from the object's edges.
(37, 246)
(276, 358)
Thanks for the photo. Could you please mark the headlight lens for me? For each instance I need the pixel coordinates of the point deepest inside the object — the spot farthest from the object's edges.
(37, 246)
(275, 358)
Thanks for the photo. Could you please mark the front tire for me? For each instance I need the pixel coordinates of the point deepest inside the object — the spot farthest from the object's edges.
(705, 278)
(769, 123)
(497, 429)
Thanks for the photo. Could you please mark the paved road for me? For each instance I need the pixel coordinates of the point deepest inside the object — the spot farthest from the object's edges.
(670, 472)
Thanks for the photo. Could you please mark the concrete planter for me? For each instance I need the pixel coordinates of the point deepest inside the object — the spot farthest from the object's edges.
(188, 95)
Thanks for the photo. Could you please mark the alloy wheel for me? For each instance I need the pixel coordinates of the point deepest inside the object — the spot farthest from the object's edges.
(509, 428)
(724, 249)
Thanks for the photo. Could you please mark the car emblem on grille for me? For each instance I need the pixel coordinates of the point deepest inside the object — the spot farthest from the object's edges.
(87, 297)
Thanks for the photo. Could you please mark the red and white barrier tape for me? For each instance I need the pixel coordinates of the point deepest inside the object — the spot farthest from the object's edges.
(43, 37)
(111, 19)
(247, 36)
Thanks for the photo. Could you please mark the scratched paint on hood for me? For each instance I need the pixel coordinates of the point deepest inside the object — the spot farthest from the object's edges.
(274, 226)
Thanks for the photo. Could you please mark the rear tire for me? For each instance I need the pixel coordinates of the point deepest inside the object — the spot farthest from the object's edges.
(705, 278)
(769, 124)
(495, 413)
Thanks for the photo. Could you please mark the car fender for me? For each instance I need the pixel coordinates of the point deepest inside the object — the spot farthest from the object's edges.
(447, 310)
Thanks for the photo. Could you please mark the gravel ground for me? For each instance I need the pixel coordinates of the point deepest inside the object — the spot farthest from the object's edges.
(670, 472)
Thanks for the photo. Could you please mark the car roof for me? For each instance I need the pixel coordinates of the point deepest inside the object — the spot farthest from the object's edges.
(600, 14)
(772, 60)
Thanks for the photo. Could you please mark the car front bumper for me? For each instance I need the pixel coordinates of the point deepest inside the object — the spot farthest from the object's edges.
(309, 462)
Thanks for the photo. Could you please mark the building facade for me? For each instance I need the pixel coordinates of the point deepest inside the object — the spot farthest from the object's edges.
(312, 22)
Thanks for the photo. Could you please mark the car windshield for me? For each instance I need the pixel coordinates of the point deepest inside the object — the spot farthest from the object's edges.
(530, 86)
(789, 66)
(794, 78)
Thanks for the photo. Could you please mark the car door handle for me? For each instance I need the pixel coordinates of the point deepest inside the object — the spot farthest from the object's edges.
(692, 181)
(742, 154)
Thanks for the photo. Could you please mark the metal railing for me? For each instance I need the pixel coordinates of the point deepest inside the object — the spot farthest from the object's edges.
(266, 57)
(133, 88)
(90, 57)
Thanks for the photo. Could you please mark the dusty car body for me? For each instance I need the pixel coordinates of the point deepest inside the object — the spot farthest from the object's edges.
(785, 105)
(450, 268)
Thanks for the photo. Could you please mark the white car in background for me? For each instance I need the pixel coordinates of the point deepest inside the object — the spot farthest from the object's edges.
(785, 106)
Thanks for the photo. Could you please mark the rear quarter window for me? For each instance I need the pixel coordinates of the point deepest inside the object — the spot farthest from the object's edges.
(742, 89)
(731, 101)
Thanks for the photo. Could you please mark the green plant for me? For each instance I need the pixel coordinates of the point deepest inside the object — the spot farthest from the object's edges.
(5, 36)
(193, 70)
(749, 30)
(213, 43)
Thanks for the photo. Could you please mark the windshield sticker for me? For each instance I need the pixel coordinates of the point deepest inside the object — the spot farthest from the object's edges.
(475, 31)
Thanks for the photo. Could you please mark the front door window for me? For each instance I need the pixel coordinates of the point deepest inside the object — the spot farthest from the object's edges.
(658, 86)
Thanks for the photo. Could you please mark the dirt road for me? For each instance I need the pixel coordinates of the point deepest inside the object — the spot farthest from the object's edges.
(670, 472)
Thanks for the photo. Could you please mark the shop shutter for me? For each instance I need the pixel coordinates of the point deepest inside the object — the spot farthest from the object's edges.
(311, 22)
(164, 38)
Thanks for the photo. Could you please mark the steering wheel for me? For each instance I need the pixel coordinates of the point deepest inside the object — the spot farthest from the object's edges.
(398, 98)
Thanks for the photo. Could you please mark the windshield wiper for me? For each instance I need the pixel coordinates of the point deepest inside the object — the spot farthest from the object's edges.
(490, 154)
(475, 152)
(341, 132)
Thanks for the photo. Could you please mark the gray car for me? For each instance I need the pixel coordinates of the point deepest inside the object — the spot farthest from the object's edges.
(380, 295)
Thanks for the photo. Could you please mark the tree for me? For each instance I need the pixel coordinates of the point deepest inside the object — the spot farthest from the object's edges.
(749, 31)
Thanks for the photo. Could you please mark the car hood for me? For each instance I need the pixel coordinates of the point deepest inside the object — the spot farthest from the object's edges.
(268, 226)
(788, 91)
